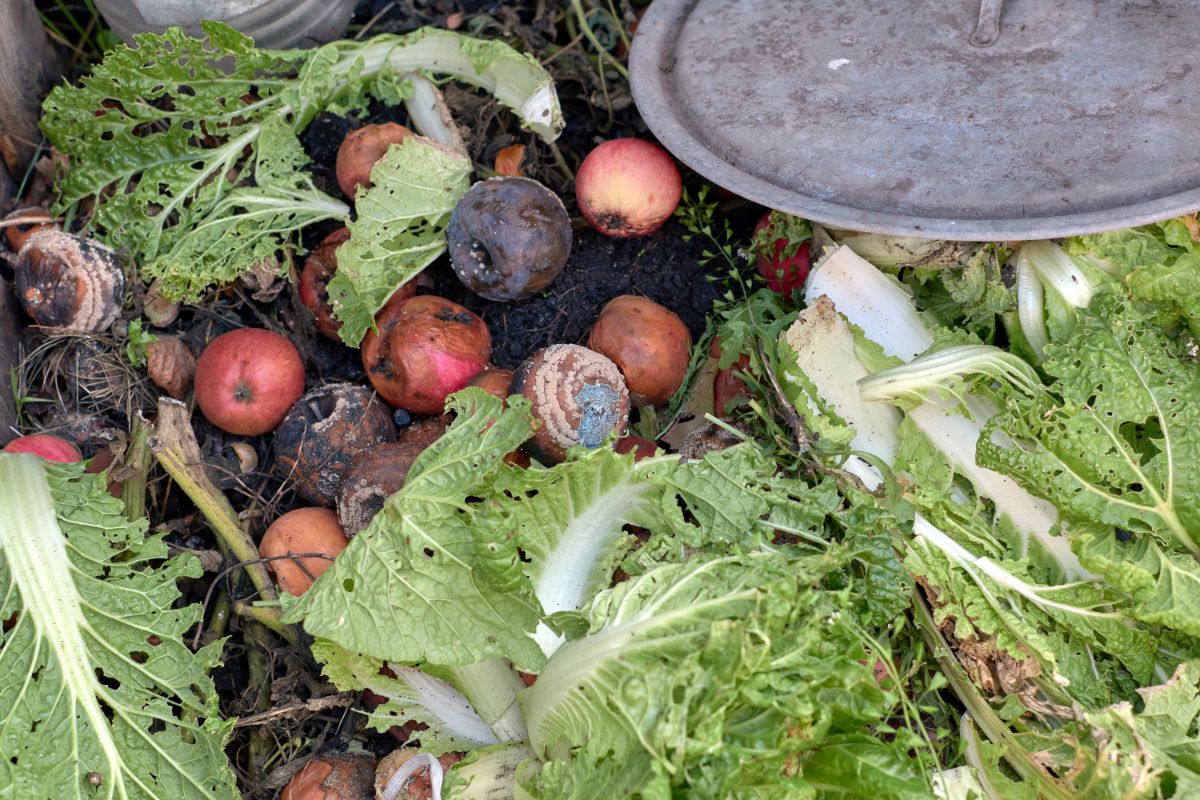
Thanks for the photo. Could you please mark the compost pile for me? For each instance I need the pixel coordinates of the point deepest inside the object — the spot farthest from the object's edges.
(412, 427)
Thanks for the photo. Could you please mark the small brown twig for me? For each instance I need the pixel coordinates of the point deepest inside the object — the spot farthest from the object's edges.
(314, 704)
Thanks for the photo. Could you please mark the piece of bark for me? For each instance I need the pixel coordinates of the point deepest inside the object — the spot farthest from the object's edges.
(10, 353)
(27, 63)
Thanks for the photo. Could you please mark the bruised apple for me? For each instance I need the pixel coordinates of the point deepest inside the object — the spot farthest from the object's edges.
(247, 379)
(627, 187)
(425, 349)
(303, 531)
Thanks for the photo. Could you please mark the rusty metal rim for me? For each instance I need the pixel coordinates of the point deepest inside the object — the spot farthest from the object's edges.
(651, 60)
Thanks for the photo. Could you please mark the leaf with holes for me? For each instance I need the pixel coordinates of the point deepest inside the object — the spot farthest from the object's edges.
(99, 695)
(1113, 440)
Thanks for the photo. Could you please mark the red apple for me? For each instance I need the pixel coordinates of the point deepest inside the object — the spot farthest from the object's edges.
(247, 379)
(48, 446)
(783, 272)
(426, 349)
(627, 187)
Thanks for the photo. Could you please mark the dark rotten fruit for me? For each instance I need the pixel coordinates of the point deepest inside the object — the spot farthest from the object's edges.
(577, 397)
(334, 776)
(425, 349)
(323, 431)
(247, 379)
(648, 342)
(69, 282)
(508, 238)
(373, 475)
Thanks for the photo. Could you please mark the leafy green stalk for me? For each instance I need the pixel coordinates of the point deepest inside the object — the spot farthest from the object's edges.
(95, 678)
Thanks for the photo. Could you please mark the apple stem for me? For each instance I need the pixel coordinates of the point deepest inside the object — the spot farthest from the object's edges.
(174, 446)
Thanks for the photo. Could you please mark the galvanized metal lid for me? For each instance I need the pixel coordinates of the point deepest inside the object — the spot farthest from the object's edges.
(959, 119)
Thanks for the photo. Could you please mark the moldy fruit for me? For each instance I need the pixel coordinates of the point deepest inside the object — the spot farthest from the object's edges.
(508, 238)
(577, 396)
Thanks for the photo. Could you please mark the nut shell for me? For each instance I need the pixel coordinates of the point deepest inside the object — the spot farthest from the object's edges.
(508, 238)
(69, 282)
(323, 431)
(171, 365)
(650, 344)
(374, 474)
(426, 349)
(577, 396)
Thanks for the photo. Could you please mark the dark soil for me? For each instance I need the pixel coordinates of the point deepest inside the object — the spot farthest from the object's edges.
(661, 267)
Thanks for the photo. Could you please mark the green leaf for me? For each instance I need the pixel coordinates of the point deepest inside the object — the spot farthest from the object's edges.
(188, 149)
(1113, 438)
(864, 770)
(95, 676)
(409, 694)
(399, 230)
(569, 525)
(409, 588)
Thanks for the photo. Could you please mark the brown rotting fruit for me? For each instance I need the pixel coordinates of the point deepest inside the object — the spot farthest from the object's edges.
(171, 365)
(373, 475)
(333, 776)
(648, 342)
(577, 397)
(301, 532)
(361, 150)
(425, 349)
(69, 282)
(323, 431)
(508, 238)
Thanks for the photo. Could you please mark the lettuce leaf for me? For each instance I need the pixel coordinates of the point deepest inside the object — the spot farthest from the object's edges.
(1113, 441)
(400, 229)
(99, 695)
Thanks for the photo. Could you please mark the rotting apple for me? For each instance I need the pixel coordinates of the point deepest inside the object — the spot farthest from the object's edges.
(361, 150)
(425, 350)
(247, 379)
(302, 531)
(314, 282)
(508, 238)
(783, 263)
(577, 397)
(650, 344)
(46, 445)
(333, 776)
(627, 187)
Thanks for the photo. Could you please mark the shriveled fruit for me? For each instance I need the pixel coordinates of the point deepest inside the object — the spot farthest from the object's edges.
(509, 238)
(302, 531)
